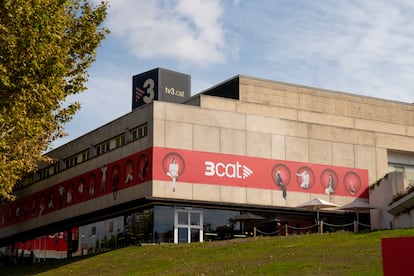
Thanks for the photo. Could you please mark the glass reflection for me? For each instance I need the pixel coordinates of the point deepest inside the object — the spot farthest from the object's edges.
(163, 224)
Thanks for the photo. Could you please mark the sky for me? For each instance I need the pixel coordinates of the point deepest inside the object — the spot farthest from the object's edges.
(353, 46)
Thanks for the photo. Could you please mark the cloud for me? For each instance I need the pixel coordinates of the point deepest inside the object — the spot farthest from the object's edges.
(188, 32)
(362, 46)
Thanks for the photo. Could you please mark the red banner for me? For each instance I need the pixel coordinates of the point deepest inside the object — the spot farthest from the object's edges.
(57, 242)
(243, 171)
(178, 165)
(107, 179)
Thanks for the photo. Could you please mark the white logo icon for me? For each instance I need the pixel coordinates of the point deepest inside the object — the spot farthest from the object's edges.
(246, 171)
(231, 170)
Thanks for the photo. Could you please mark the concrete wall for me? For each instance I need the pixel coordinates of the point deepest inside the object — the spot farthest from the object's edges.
(287, 122)
(270, 120)
(381, 195)
(327, 127)
(110, 130)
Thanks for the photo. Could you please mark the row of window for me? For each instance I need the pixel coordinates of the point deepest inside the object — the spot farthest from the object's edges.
(113, 143)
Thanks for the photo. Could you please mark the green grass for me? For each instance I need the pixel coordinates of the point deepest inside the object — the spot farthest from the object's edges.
(341, 253)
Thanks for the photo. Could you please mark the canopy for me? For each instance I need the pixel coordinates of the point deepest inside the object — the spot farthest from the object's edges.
(357, 206)
(245, 218)
(248, 216)
(316, 204)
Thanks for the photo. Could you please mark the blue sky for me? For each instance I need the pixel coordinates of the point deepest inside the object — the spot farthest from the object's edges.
(360, 47)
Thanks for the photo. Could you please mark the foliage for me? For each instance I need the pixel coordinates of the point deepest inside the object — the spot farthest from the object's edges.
(400, 195)
(46, 47)
(378, 182)
(341, 253)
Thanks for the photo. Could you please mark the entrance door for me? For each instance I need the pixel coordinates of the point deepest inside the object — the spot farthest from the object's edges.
(188, 226)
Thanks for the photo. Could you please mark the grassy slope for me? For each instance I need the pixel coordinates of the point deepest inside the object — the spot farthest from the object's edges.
(316, 254)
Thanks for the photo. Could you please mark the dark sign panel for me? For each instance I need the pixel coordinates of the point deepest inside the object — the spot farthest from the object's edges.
(162, 85)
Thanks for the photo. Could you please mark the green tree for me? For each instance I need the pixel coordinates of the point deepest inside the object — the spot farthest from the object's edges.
(46, 47)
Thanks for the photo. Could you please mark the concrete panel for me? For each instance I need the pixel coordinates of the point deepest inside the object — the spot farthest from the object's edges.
(278, 147)
(233, 194)
(206, 192)
(365, 158)
(296, 198)
(206, 138)
(277, 198)
(325, 119)
(159, 129)
(268, 93)
(159, 188)
(311, 102)
(182, 191)
(259, 196)
(344, 135)
(178, 135)
(165, 189)
(297, 149)
(381, 162)
(218, 103)
(233, 141)
(395, 142)
(320, 152)
(267, 110)
(410, 131)
(135, 192)
(276, 126)
(380, 126)
(159, 110)
(259, 144)
(343, 155)
(208, 117)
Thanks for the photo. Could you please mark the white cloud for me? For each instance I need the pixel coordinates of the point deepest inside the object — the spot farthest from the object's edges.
(184, 31)
(362, 46)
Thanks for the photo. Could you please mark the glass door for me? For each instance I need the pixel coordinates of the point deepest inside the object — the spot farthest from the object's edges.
(188, 225)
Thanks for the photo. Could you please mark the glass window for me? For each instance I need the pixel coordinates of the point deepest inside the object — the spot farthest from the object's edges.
(183, 235)
(195, 235)
(139, 227)
(163, 224)
(182, 218)
(195, 218)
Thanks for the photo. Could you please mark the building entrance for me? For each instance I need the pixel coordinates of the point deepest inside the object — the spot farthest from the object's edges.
(188, 226)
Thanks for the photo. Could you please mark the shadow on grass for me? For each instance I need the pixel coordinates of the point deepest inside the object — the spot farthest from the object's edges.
(34, 269)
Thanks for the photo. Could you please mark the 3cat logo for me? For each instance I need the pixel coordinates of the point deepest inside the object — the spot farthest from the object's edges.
(230, 170)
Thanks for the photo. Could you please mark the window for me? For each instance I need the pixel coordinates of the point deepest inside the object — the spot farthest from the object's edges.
(72, 161)
(139, 132)
(102, 148)
(56, 168)
(44, 173)
(85, 155)
(120, 141)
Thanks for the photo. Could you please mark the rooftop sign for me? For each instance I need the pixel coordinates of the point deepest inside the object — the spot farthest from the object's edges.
(162, 85)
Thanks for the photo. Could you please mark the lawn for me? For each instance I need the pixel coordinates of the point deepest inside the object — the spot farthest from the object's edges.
(341, 253)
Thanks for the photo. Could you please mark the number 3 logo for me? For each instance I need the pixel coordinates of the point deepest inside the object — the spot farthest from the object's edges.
(149, 86)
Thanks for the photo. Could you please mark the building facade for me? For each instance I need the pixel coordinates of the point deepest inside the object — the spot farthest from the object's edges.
(183, 169)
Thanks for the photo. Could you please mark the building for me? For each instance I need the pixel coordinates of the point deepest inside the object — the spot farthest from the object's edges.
(182, 168)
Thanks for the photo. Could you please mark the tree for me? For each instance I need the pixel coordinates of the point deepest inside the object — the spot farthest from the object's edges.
(46, 47)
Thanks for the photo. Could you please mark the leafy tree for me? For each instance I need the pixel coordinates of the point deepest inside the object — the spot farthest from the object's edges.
(46, 47)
